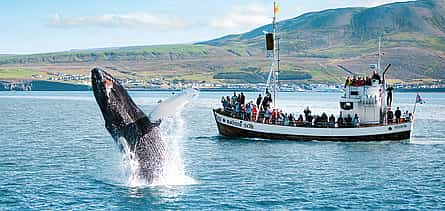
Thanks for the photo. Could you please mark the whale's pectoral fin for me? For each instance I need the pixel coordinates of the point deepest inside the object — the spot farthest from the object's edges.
(132, 131)
(173, 104)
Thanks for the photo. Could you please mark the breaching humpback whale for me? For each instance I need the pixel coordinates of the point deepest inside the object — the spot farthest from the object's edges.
(124, 120)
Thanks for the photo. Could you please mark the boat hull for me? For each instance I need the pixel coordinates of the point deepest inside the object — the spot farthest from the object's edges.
(235, 128)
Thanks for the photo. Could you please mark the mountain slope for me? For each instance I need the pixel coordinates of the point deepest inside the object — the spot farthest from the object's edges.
(350, 35)
(350, 25)
(312, 45)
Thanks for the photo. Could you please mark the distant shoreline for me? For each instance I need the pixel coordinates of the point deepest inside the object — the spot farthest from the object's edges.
(37, 85)
(436, 90)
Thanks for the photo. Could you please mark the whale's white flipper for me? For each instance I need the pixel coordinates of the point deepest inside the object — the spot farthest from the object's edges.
(173, 104)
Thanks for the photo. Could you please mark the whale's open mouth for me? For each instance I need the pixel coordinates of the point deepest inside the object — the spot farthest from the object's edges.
(102, 81)
(114, 101)
(105, 87)
(108, 86)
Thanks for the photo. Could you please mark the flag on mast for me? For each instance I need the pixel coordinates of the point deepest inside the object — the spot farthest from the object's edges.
(419, 99)
(276, 8)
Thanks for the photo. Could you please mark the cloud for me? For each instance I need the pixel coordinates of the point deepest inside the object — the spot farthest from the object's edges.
(243, 18)
(163, 22)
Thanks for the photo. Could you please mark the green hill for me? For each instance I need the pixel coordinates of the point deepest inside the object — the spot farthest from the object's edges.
(351, 26)
(312, 45)
(413, 37)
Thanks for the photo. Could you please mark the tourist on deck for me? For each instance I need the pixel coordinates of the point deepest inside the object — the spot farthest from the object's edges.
(376, 76)
(316, 120)
(224, 102)
(266, 104)
(368, 81)
(390, 116)
(340, 121)
(237, 108)
(248, 116)
(254, 113)
(354, 81)
(360, 81)
(282, 117)
(405, 116)
(309, 120)
(356, 121)
(389, 95)
(243, 111)
(348, 120)
(398, 114)
(348, 81)
(300, 120)
(273, 117)
(234, 99)
(324, 117)
(258, 100)
(291, 119)
(285, 119)
(332, 121)
(242, 99)
(279, 118)
(307, 112)
(269, 97)
(267, 115)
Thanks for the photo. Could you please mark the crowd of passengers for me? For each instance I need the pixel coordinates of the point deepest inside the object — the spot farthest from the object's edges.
(362, 81)
(237, 107)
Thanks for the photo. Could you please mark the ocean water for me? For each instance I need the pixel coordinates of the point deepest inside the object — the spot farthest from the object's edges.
(56, 154)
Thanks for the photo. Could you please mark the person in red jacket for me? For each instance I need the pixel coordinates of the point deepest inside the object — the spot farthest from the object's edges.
(254, 112)
(274, 116)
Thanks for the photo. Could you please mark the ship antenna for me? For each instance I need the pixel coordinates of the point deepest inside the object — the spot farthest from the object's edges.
(380, 55)
(273, 52)
(276, 53)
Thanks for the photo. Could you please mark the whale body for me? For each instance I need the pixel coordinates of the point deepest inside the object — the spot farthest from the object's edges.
(128, 123)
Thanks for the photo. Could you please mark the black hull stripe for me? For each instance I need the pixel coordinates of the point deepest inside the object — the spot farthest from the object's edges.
(234, 132)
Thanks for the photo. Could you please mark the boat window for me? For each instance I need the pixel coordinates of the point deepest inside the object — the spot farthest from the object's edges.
(346, 105)
(354, 92)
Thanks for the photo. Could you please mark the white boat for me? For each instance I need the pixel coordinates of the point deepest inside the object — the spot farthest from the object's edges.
(236, 128)
(366, 99)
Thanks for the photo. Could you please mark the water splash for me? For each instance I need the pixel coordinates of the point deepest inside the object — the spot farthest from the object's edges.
(173, 132)
(173, 172)
(130, 166)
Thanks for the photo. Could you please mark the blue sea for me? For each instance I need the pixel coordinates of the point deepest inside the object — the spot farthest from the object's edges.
(57, 155)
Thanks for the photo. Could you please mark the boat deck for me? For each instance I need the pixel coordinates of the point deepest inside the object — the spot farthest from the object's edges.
(237, 128)
(307, 124)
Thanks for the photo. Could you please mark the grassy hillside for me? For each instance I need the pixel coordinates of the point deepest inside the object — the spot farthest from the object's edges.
(113, 54)
(312, 45)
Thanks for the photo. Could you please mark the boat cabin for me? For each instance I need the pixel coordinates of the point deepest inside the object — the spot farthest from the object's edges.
(364, 97)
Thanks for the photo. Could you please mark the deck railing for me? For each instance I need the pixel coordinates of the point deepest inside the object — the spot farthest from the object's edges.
(295, 123)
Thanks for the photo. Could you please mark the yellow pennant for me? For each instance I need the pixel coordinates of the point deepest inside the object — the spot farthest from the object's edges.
(276, 9)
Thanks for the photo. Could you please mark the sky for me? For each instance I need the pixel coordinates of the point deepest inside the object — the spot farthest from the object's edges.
(40, 26)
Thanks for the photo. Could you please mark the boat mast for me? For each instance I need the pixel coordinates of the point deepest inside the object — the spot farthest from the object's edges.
(379, 71)
(276, 55)
(380, 55)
